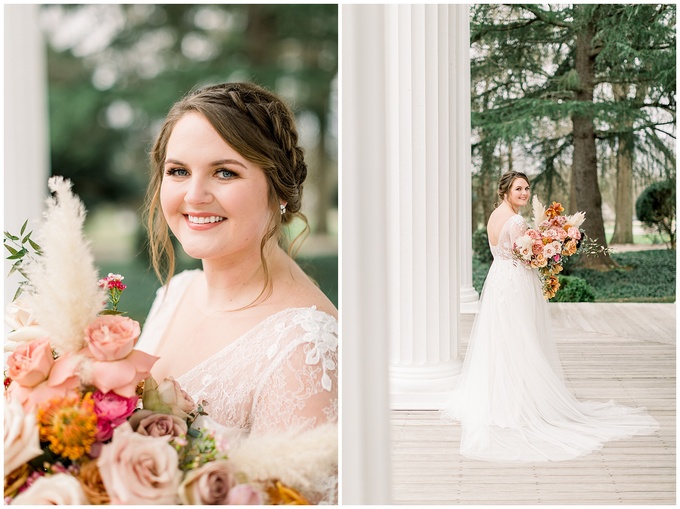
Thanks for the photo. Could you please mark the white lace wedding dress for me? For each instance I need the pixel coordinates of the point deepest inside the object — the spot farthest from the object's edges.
(511, 399)
(279, 376)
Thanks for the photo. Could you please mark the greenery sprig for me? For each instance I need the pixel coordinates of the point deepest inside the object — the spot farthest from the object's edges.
(20, 247)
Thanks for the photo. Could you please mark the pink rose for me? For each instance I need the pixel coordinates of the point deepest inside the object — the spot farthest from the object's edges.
(120, 376)
(208, 485)
(552, 233)
(561, 234)
(153, 424)
(31, 362)
(111, 337)
(534, 234)
(244, 494)
(112, 410)
(574, 233)
(537, 248)
(138, 469)
(62, 382)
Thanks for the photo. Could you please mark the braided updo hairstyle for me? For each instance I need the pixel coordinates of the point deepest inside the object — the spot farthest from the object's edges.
(261, 128)
(505, 183)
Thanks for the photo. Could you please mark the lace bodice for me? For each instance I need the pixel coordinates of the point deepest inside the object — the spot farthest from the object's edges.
(512, 229)
(280, 374)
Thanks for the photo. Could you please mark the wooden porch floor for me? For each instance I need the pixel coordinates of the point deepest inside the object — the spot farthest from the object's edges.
(624, 352)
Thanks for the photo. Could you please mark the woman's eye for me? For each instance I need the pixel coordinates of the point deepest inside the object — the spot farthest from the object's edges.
(176, 172)
(225, 174)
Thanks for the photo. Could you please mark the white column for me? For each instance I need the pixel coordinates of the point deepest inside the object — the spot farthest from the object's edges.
(422, 184)
(26, 153)
(469, 299)
(363, 299)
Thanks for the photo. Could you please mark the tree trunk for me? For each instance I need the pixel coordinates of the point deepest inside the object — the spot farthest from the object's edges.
(584, 169)
(623, 228)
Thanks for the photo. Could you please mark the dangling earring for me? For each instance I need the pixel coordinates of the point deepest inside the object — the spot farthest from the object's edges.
(283, 209)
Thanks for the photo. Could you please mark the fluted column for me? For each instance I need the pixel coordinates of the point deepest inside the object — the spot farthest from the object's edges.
(423, 161)
(363, 303)
(26, 153)
(469, 298)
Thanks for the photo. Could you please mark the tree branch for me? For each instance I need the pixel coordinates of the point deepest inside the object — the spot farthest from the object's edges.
(499, 28)
(542, 16)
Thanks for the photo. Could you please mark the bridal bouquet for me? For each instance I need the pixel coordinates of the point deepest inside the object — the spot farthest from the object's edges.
(85, 423)
(545, 247)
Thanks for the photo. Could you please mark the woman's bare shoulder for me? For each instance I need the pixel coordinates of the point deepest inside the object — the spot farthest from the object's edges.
(307, 294)
(497, 219)
(294, 289)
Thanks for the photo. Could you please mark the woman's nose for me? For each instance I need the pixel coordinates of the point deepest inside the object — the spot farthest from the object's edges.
(198, 191)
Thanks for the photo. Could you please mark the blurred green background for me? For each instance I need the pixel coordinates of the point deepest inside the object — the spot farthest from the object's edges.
(115, 70)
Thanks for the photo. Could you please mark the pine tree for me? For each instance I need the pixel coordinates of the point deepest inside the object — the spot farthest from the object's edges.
(547, 74)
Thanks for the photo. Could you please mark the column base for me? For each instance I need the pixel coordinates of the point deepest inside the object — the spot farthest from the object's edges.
(423, 388)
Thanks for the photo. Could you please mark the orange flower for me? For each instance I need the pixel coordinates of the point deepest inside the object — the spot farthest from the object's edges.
(569, 248)
(554, 210)
(550, 286)
(69, 425)
(280, 494)
(556, 269)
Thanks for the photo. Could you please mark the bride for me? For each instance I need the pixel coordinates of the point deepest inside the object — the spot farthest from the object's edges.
(511, 399)
(250, 333)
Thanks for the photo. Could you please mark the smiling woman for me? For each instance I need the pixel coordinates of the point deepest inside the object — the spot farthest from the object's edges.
(250, 333)
(214, 200)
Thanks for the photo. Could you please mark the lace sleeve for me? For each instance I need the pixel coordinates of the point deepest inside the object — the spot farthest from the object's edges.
(517, 228)
(300, 388)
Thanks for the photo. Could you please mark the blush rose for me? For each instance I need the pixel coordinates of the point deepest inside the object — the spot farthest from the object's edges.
(63, 381)
(31, 362)
(244, 494)
(138, 469)
(153, 424)
(208, 485)
(57, 489)
(22, 442)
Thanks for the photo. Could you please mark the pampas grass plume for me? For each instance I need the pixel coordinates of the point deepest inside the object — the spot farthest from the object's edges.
(539, 210)
(576, 220)
(64, 292)
(304, 460)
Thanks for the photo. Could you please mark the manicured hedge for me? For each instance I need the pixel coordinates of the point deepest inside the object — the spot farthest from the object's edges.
(574, 289)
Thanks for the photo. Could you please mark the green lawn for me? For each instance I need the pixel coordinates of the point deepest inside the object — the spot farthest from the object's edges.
(642, 276)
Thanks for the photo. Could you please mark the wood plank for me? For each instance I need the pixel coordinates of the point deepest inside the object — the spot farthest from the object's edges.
(619, 351)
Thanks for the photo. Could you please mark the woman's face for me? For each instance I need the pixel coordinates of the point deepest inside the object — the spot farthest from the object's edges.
(215, 202)
(518, 194)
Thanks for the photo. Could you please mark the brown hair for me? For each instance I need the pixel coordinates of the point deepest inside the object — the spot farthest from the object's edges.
(505, 183)
(261, 128)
